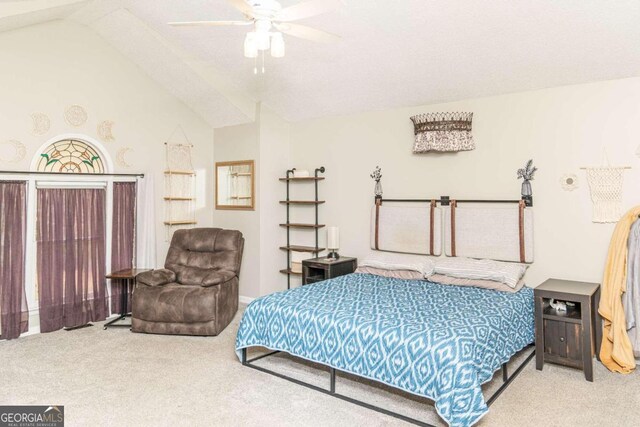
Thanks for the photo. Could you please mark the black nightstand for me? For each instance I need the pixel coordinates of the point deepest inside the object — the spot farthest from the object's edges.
(318, 269)
(569, 337)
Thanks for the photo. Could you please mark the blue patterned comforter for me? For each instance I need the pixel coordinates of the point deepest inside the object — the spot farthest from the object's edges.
(438, 341)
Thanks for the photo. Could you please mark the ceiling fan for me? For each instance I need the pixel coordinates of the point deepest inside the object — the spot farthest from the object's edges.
(267, 15)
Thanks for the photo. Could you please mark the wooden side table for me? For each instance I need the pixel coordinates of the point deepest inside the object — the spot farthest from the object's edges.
(569, 337)
(127, 279)
(318, 269)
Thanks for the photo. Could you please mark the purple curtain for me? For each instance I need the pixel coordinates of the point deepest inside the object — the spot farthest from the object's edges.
(14, 315)
(71, 257)
(123, 237)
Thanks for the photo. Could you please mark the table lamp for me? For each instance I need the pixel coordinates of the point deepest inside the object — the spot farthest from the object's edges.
(333, 242)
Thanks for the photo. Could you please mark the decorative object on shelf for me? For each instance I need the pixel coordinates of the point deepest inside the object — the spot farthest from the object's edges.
(333, 242)
(41, 123)
(180, 185)
(376, 175)
(296, 261)
(300, 173)
(75, 115)
(442, 132)
(526, 174)
(235, 185)
(605, 185)
(569, 182)
(70, 156)
(120, 157)
(293, 251)
(558, 305)
(105, 131)
(12, 151)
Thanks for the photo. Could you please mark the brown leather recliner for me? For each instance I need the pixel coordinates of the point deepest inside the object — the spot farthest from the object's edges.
(197, 291)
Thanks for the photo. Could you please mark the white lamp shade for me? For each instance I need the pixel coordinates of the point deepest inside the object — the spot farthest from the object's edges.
(263, 40)
(333, 238)
(250, 45)
(277, 45)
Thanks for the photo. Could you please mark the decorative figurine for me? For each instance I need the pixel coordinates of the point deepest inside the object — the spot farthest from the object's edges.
(526, 174)
(377, 176)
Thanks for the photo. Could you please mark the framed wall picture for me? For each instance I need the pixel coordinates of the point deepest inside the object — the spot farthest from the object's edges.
(235, 185)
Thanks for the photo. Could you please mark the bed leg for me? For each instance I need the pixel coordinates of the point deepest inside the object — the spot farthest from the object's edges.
(505, 374)
(244, 356)
(332, 381)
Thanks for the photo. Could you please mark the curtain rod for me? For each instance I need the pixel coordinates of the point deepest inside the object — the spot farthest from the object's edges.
(141, 175)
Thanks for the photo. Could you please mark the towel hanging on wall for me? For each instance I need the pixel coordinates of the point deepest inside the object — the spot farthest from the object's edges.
(442, 132)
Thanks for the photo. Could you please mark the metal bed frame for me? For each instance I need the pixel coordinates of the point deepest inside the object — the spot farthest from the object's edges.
(331, 391)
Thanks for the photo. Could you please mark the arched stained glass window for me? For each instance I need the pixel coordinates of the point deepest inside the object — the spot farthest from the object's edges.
(70, 156)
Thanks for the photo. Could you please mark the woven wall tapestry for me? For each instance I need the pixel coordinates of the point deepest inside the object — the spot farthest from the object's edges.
(442, 132)
(605, 184)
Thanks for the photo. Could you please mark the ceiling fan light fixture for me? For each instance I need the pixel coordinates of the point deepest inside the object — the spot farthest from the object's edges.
(263, 41)
(250, 45)
(277, 45)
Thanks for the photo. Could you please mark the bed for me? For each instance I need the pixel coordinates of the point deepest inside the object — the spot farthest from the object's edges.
(438, 341)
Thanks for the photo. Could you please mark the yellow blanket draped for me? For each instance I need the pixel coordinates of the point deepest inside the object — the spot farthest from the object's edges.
(616, 352)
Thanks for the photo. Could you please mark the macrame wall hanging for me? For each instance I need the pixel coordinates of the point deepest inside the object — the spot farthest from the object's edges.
(605, 185)
(442, 132)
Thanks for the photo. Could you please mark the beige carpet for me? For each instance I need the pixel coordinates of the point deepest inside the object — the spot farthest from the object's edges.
(118, 378)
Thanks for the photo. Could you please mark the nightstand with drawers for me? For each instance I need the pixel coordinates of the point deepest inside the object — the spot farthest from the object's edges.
(568, 337)
(318, 269)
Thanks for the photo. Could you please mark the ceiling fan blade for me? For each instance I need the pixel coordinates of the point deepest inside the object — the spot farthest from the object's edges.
(308, 33)
(209, 23)
(243, 7)
(307, 9)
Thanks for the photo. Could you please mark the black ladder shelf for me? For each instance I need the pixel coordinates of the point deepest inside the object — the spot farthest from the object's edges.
(289, 225)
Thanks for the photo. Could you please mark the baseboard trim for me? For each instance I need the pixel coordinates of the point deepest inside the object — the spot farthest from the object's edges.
(245, 300)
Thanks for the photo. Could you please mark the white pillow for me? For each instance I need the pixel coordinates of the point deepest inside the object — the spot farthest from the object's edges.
(508, 273)
(396, 261)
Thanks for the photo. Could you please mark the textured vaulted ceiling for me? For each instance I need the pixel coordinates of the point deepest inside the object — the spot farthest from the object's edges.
(396, 53)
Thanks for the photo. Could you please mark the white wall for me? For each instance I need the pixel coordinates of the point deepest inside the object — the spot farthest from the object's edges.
(274, 160)
(267, 142)
(242, 143)
(562, 129)
(50, 66)
(47, 67)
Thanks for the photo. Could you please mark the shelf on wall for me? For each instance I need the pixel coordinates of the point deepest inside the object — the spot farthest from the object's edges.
(179, 199)
(289, 226)
(186, 222)
(289, 271)
(301, 202)
(303, 178)
(179, 172)
(299, 225)
(299, 248)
